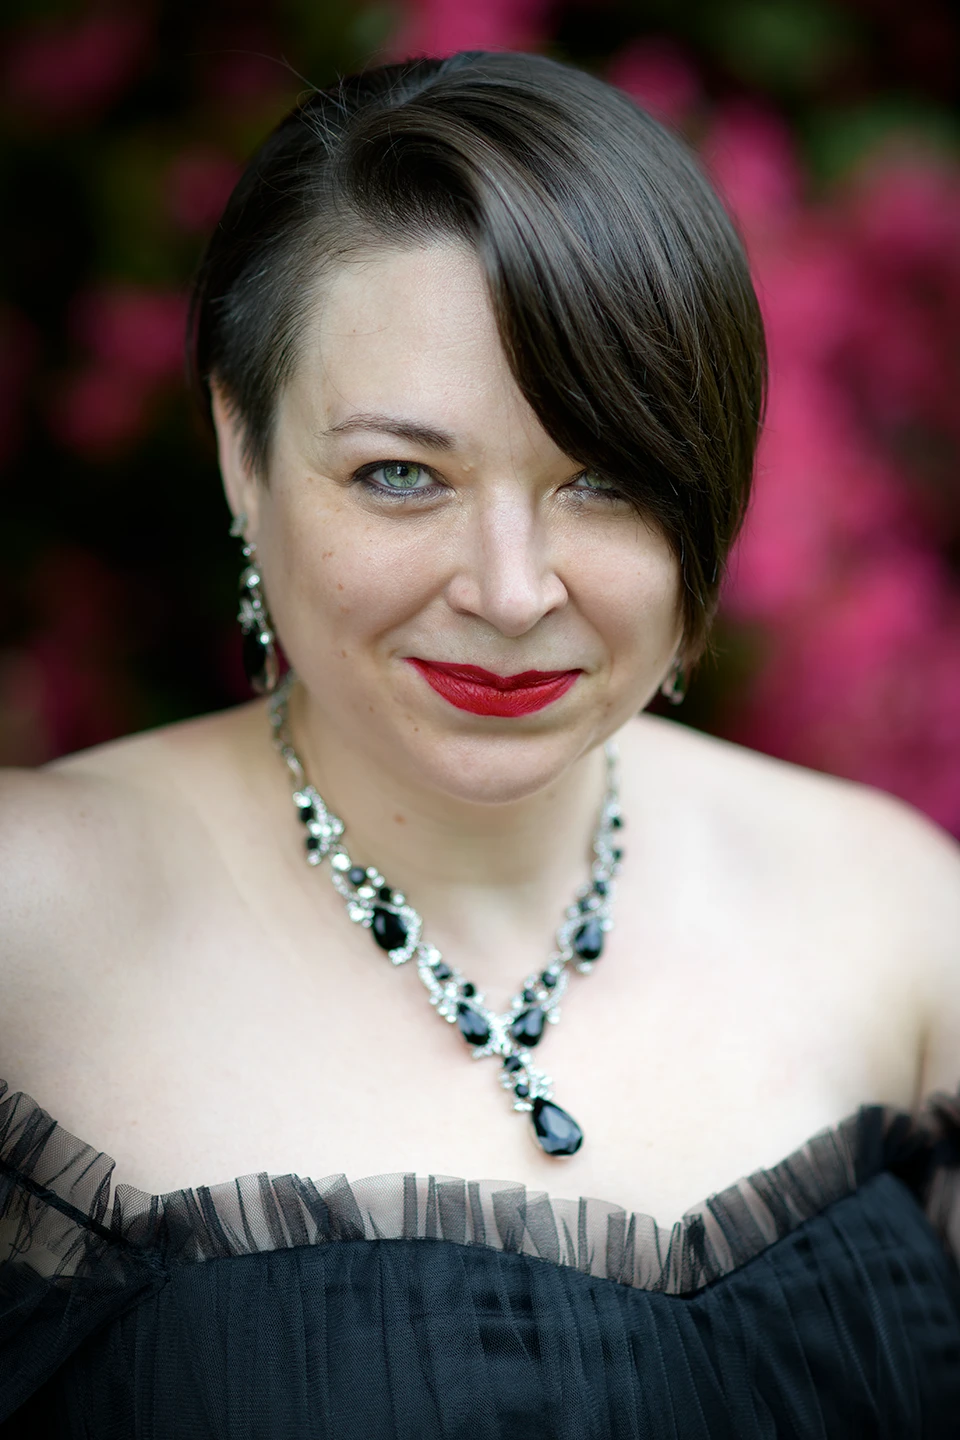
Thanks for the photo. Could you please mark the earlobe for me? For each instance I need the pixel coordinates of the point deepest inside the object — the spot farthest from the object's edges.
(239, 483)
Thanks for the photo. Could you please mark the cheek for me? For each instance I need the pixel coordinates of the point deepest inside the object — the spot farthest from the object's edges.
(339, 580)
(630, 594)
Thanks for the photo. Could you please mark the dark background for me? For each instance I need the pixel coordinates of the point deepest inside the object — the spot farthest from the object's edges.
(832, 130)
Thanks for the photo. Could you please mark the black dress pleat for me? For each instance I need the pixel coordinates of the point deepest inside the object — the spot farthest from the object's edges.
(818, 1298)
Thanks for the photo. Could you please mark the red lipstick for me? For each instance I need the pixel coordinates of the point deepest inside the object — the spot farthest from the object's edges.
(483, 693)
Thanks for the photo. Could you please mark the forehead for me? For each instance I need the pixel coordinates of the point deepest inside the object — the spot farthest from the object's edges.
(406, 330)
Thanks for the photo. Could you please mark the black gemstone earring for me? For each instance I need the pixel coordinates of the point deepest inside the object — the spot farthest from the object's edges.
(675, 685)
(259, 651)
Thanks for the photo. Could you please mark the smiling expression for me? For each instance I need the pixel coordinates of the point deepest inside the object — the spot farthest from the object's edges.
(416, 510)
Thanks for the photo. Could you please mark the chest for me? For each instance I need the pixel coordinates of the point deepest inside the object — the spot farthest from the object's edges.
(711, 1040)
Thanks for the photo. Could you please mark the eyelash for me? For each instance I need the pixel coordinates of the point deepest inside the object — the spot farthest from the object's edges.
(401, 497)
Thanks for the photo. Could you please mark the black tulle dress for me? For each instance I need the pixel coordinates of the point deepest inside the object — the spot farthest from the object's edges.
(818, 1298)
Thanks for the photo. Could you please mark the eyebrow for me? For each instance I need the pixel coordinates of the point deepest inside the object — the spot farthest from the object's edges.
(412, 430)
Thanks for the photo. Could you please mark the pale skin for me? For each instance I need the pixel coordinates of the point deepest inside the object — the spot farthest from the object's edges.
(185, 993)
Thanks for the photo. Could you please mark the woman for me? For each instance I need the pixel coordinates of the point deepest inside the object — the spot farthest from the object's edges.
(486, 369)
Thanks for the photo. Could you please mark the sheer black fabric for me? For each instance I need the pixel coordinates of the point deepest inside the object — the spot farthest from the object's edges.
(818, 1298)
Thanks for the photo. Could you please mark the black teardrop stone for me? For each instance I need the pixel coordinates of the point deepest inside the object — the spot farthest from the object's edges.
(557, 1132)
(356, 875)
(588, 941)
(527, 1029)
(389, 930)
(473, 1027)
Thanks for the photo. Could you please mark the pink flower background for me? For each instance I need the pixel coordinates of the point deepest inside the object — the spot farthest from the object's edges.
(835, 147)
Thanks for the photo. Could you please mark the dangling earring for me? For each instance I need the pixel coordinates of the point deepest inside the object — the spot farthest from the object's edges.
(675, 685)
(259, 652)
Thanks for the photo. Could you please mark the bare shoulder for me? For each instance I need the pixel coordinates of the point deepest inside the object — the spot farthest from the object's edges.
(67, 864)
(853, 856)
(913, 868)
(876, 837)
(54, 829)
(79, 837)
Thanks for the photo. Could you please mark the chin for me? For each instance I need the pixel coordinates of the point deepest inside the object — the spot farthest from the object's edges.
(494, 769)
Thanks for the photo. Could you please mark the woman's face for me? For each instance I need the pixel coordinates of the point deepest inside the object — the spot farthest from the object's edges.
(416, 510)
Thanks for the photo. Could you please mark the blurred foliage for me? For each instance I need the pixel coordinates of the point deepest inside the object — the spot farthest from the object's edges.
(832, 131)
(123, 130)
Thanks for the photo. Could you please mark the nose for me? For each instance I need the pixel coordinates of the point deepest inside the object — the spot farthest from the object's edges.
(505, 570)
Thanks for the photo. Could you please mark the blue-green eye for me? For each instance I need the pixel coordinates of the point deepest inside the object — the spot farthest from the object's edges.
(395, 480)
(595, 484)
(402, 474)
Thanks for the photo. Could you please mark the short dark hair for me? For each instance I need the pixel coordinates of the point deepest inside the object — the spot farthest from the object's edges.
(620, 287)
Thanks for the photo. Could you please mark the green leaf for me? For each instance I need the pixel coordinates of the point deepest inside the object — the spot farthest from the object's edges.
(780, 44)
(837, 139)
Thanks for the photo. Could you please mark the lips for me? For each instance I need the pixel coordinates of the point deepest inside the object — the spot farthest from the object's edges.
(481, 692)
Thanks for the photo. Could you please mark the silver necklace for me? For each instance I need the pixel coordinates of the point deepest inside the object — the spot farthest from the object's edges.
(397, 928)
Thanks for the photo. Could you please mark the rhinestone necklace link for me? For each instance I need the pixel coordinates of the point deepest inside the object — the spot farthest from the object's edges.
(397, 929)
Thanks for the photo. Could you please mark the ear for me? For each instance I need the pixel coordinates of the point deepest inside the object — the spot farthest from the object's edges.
(240, 484)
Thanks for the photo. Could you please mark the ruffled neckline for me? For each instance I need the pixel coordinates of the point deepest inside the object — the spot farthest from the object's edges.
(55, 1189)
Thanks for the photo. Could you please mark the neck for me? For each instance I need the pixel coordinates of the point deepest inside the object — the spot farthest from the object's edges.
(488, 879)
